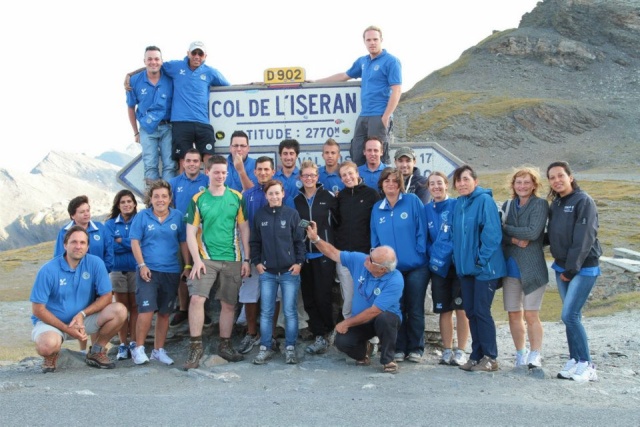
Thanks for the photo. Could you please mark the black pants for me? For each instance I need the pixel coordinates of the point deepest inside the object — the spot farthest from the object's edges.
(317, 279)
(384, 326)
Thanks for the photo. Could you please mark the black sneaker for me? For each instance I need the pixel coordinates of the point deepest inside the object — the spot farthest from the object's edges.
(179, 318)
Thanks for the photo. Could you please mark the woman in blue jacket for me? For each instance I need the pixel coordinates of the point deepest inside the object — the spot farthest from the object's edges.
(399, 221)
(123, 276)
(445, 284)
(277, 251)
(477, 253)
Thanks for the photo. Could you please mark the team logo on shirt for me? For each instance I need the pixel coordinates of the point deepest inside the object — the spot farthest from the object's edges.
(444, 215)
(151, 227)
(404, 215)
(96, 237)
(382, 220)
(209, 147)
(117, 232)
(283, 224)
(376, 291)
(173, 227)
(203, 77)
(361, 280)
(63, 282)
(201, 188)
(430, 224)
(299, 184)
(264, 223)
(143, 91)
(179, 190)
(86, 275)
(376, 68)
(183, 72)
(568, 209)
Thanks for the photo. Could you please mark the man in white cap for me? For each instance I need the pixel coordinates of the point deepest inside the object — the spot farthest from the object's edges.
(414, 182)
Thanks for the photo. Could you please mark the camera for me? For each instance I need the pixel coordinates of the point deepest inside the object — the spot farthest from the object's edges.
(304, 224)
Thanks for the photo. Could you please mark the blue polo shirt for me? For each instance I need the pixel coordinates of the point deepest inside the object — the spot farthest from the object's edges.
(153, 101)
(100, 242)
(159, 242)
(370, 178)
(330, 180)
(233, 177)
(191, 90)
(384, 292)
(254, 199)
(64, 291)
(184, 188)
(292, 185)
(378, 75)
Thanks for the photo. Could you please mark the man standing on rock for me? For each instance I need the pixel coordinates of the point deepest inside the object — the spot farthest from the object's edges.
(213, 220)
(381, 87)
(71, 299)
(376, 303)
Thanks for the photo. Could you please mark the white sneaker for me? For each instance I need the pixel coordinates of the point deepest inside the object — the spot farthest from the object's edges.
(398, 357)
(161, 356)
(447, 357)
(534, 360)
(138, 355)
(585, 372)
(459, 358)
(569, 369)
(414, 357)
(521, 359)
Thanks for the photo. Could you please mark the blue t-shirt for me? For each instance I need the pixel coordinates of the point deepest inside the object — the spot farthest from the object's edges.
(153, 101)
(64, 291)
(100, 242)
(378, 75)
(184, 188)
(191, 90)
(384, 292)
(159, 242)
(291, 185)
(369, 177)
(330, 180)
(233, 177)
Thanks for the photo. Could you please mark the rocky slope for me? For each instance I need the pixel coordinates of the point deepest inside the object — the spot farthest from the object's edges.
(563, 85)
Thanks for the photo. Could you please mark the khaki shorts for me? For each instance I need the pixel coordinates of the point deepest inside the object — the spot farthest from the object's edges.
(90, 327)
(514, 298)
(123, 282)
(250, 289)
(229, 275)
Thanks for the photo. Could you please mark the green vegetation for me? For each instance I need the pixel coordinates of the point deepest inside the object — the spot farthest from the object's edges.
(12, 259)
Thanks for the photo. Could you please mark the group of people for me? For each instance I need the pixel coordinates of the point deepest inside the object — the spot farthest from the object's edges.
(261, 237)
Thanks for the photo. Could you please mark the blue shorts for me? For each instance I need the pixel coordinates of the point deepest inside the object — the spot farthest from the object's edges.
(159, 294)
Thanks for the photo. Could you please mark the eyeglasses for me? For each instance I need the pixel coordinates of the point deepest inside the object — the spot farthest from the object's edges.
(308, 176)
(197, 53)
(239, 146)
(373, 262)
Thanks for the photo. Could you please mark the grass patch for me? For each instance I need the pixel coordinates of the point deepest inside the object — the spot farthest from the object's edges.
(37, 254)
(459, 64)
(613, 304)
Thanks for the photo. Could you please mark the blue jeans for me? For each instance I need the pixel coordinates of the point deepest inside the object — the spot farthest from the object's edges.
(574, 295)
(477, 297)
(289, 286)
(155, 146)
(411, 334)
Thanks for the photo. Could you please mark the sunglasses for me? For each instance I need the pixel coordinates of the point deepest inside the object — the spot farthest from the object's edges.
(197, 53)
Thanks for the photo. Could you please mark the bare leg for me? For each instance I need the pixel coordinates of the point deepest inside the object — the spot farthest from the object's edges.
(142, 327)
(183, 296)
(446, 329)
(123, 298)
(162, 327)
(251, 313)
(196, 315)
(516, 325)
(110, 320)
(227, 315)
(48, 343)
(534, 329)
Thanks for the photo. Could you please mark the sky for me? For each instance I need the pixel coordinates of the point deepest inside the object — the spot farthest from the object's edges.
(64, 62)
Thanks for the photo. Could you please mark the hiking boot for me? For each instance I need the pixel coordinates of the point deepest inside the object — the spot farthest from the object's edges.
(195, 354)
(161, 356)
(585, 372)
(469, 365)
(569, 369)
(521, 358)
(534, 360)
(447, 357)
(318, 347)
(414, 357)
(99, 360)
(290, 355)
(486, 364)
(227, 352)
(49, 363)
(123, 352)
(263, 356)
(459, 358)
(248, 342)
(138, 355)
(179, 318)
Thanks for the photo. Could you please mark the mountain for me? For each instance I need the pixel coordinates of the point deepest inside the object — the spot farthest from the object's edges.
(564, 85)
(36, 203)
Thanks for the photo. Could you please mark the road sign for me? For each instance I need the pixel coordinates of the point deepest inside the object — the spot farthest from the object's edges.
(430, 157)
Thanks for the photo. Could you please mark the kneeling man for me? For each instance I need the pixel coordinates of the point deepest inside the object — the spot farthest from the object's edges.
(71, 299)
(376, 301)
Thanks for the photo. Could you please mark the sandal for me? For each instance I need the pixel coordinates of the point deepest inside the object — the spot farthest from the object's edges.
(391, 368)
(367, 358)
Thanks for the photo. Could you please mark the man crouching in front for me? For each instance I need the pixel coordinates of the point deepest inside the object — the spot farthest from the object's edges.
(376, 301)
(71, 299)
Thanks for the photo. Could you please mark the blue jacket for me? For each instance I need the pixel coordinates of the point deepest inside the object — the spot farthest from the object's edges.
(477, 236)
(123, 256)
(403, 227)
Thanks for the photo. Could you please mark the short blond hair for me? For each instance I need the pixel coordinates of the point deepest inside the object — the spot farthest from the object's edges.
(524, 170)
(372, 28)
